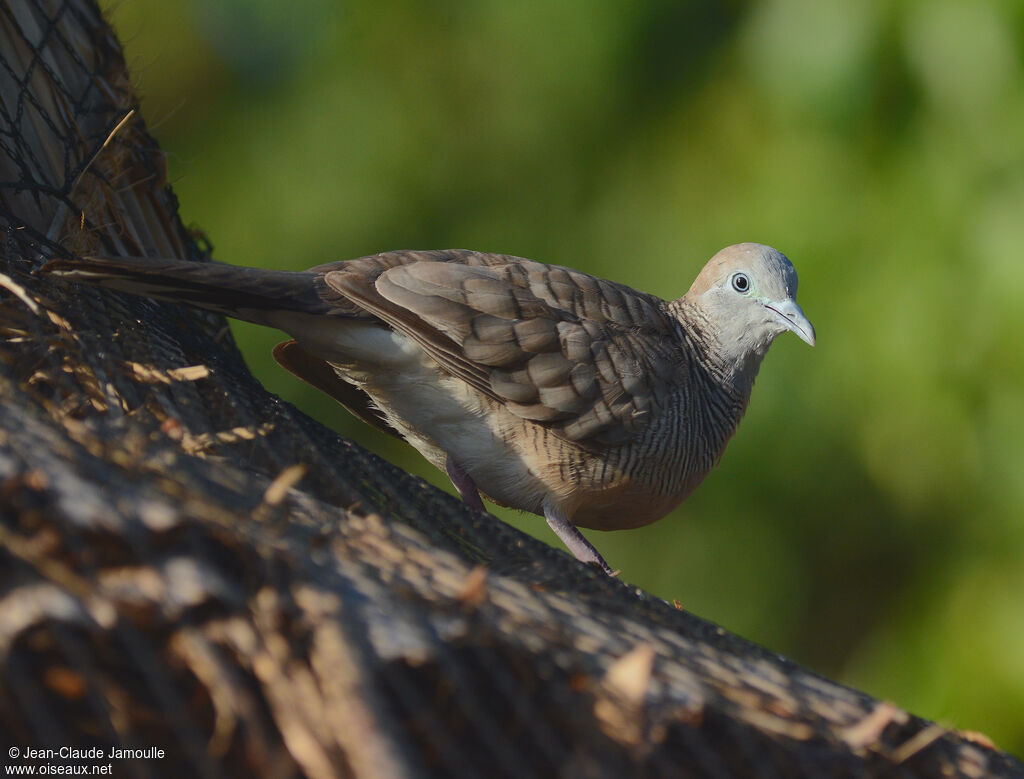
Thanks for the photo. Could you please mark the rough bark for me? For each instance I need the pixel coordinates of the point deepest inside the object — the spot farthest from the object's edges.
(189, 563)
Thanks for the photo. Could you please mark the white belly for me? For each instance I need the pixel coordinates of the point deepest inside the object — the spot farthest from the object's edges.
(441, 416)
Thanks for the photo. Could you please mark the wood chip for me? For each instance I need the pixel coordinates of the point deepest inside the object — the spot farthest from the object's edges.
(920, 740)
(198, 444)
(151, 375)
(189, 373)
(629, 676)
(619, 704)
(67, 683)
(474, 588)
(288, 478)
(19, 292)
(980, 739)
(867, 731)
(58, 320)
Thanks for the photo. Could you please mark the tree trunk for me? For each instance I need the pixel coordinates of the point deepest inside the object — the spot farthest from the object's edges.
(189, 564)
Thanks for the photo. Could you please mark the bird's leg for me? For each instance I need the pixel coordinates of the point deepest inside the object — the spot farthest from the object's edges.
(464, 484)
(573, 539)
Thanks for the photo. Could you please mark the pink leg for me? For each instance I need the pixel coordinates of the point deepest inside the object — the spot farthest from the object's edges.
(573, 539)
(464, 484)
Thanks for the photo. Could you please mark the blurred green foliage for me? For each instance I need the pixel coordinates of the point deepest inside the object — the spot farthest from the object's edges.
(868, 519)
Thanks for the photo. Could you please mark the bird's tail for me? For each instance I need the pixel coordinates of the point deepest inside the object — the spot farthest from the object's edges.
(243, 293)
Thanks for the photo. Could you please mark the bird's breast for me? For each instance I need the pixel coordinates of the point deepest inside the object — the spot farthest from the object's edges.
(624, 508)
(513, 461)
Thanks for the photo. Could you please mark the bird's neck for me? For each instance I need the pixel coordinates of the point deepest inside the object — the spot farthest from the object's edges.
(722, 348)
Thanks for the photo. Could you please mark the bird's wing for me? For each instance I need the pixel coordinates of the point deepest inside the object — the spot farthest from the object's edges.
(369, 268)
(590, 359)
(320, 374)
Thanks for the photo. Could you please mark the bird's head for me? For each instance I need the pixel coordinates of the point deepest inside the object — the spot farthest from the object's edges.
(747, 294)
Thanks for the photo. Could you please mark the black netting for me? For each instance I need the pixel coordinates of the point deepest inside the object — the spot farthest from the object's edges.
(155, 594)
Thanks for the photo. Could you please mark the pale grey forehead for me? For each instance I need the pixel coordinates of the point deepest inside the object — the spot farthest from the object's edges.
(776, 275)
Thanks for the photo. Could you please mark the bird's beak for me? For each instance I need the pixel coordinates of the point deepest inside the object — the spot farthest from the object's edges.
(793, 318)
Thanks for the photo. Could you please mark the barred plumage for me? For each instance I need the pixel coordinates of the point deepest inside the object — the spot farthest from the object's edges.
(548, 389)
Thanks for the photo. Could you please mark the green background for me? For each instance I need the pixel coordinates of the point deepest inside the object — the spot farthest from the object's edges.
(868, 519)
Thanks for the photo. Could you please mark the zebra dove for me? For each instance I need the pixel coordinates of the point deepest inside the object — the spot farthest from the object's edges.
(547, 389)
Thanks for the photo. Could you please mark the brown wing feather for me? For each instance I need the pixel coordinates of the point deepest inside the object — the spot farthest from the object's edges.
(590, 359)
(319, 373)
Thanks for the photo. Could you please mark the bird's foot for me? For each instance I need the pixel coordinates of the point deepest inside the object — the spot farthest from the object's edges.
(605, 568)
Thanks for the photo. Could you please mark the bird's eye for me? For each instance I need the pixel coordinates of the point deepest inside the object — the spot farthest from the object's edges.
(741, 283)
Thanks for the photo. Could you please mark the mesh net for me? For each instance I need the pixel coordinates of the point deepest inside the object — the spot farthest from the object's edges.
(189, 564)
